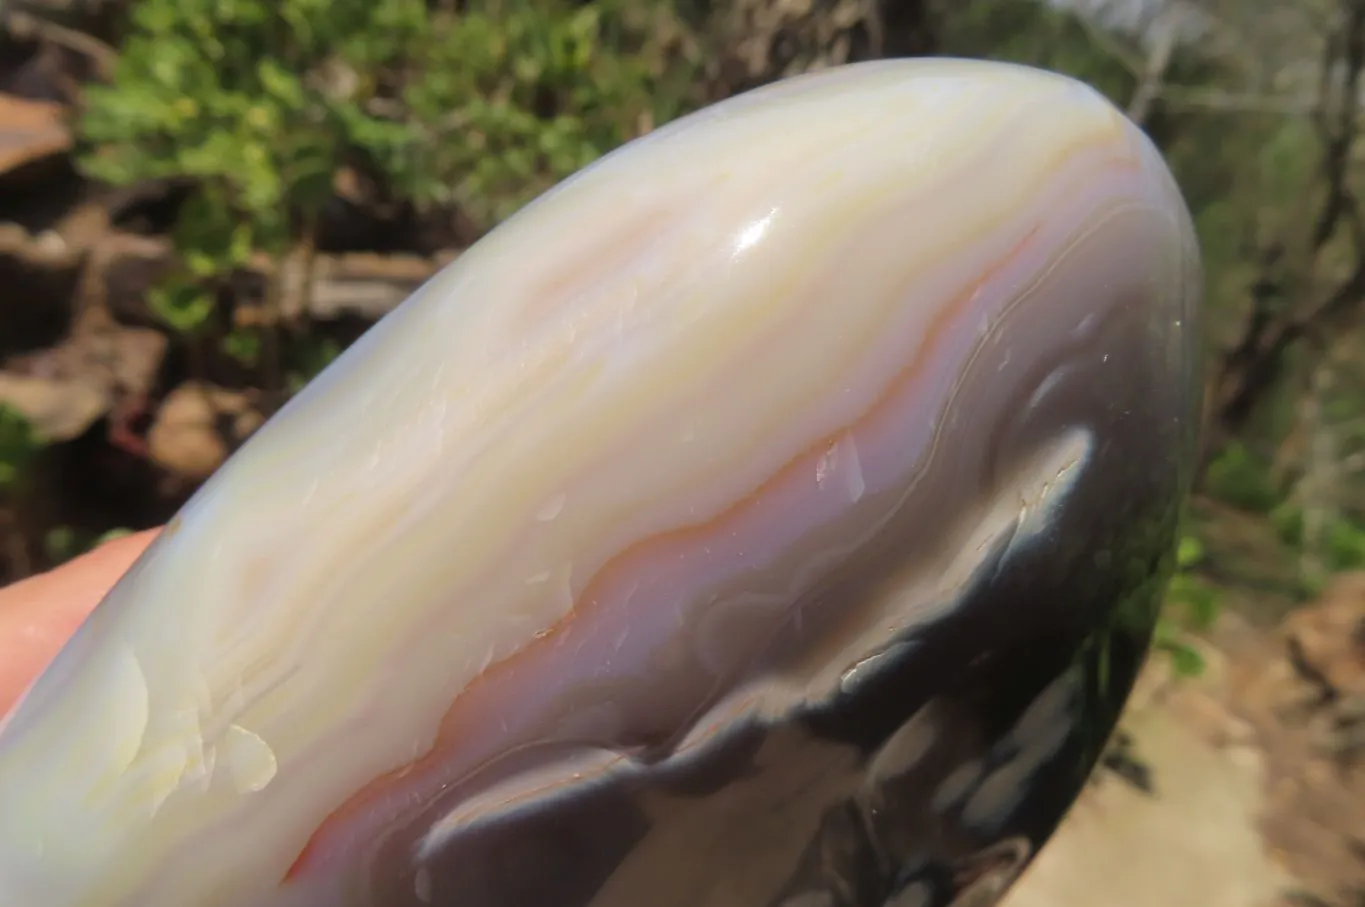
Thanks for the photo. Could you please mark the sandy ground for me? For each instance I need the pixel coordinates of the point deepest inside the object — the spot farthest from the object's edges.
(1259, 795)
(1194, 844)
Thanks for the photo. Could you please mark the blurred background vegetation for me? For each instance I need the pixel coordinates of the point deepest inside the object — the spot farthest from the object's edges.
(203, 201)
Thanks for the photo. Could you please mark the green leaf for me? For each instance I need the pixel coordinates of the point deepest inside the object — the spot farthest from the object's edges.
(112, 535)
(1189, 553)
(61, 544)
(244, 346)
(1185, 659)
(183, 306)
(19, 447)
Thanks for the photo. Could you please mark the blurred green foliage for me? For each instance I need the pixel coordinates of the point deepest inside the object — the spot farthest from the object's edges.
(19, 447)
(1237, 477)
(258, 103)
(263, 102)
(262, 105)
(1345, 545)
(508, 98)
(1192, 605)
(227, 93)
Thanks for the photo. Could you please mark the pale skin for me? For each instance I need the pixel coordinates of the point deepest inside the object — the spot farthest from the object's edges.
(39, 614)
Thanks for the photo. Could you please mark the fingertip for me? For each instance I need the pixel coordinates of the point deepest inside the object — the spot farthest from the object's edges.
(39, 614)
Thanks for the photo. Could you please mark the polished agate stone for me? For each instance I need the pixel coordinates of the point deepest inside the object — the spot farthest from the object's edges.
(774, 514)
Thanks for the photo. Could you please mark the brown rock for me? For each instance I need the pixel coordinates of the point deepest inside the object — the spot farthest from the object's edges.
(198, 426)
(131, 266)
(58, 410)
(64, 390)
(30, 131)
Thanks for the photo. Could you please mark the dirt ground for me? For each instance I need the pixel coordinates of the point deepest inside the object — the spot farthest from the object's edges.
(1258, 776)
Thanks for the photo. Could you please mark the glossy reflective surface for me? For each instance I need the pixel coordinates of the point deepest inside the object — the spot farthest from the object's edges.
(773, 514)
